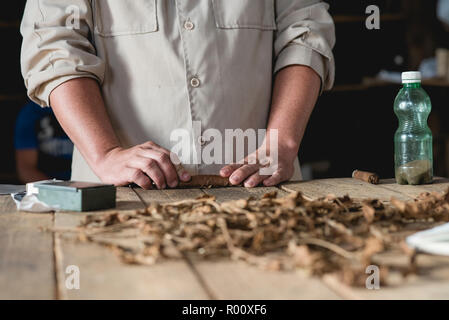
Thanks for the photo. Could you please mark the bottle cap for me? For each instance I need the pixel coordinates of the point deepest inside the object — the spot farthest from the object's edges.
(411, 77)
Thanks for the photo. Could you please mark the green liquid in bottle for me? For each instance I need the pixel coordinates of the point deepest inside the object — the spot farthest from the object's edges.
(413, 155)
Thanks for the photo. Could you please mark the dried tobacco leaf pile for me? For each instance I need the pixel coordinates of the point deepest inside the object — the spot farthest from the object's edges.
(328, 235)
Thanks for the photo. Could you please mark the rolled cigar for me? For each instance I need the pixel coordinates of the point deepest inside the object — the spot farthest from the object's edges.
(369, 177)
(205, 181)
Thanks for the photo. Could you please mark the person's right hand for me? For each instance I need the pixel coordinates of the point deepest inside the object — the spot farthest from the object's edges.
(142, 165)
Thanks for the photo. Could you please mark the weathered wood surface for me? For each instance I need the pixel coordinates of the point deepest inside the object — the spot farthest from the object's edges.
(33, 262)
(103, 276)
(237, 280)
(26, 254)
(347, 186)
(432, 283)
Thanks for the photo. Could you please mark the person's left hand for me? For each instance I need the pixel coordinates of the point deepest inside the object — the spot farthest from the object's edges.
(248, 170)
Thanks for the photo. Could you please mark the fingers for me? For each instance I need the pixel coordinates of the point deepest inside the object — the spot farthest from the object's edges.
(139, 178)
(164, 164)
(278, 176)
(226, 171)
(168, 169)
(239, 172)
(180, 170)
(242, 173)
(183, 174)
(151, 168)
(229, 170)
(169, 163)
(254, 180)
(142, 165)
(164, 168)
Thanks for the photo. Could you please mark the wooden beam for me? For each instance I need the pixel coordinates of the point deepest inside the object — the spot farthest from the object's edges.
(104, 276)
(26, 254)
(237, 280)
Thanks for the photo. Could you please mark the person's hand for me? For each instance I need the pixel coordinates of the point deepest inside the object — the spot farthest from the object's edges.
(142, 165)
(248, 171)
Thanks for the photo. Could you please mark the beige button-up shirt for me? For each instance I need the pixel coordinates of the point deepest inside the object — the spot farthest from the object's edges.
(165, 64)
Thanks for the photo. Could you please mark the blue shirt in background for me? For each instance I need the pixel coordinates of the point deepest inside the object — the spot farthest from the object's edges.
(37, 128)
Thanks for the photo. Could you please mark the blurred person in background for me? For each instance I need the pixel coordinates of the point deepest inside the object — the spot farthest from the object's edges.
(43, 150)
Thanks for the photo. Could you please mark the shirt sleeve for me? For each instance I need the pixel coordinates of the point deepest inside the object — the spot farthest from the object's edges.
(305, 36)
(25, 135)
(52, 51)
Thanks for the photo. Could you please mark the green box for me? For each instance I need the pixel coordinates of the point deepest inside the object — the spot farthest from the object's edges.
(77, 196)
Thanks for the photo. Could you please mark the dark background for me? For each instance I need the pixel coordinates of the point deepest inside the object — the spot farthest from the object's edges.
(352, 126)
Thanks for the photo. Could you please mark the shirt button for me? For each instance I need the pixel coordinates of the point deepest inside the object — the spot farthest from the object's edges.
(195, 82)
(188, 25)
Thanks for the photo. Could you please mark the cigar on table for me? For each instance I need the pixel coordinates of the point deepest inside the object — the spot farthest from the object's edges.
(205, 181)
(202, 181)
(369, 177)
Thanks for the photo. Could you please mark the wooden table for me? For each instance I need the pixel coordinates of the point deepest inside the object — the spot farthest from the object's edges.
(33, 262)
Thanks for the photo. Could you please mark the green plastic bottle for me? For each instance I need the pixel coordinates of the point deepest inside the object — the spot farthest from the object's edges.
(413, 155)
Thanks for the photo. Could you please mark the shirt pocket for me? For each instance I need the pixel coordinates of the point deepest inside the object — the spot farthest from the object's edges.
(245, 14)
(125, 17)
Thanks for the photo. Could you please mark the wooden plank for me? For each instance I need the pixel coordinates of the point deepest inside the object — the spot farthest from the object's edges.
(356, 189)
(26, 254)
(235, 193)
(103, 276)
(433, 279)
(237, 280)
(439, 185)
(431, 282)
(167, 195)
(173, 195)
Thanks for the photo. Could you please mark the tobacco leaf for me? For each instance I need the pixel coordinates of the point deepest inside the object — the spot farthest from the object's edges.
(327, 235)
